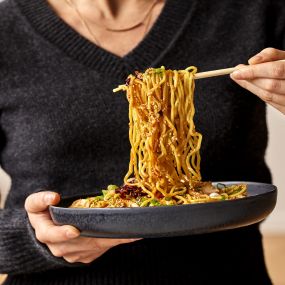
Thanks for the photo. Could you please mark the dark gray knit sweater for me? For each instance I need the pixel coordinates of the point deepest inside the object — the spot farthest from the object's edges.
(62, 128)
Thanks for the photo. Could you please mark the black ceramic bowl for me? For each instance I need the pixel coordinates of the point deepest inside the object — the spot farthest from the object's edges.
(166, 221)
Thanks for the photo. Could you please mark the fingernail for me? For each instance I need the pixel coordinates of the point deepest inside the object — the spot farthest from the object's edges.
(256, 58)
(71, 234)
(237, 74)
(49, 198)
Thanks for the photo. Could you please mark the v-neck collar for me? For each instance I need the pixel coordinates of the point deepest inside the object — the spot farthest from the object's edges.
(147, 53)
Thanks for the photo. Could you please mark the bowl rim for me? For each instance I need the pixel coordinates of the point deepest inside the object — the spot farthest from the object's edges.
(271, 188)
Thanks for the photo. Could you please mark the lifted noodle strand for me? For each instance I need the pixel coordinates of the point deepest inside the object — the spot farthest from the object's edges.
(165, 146)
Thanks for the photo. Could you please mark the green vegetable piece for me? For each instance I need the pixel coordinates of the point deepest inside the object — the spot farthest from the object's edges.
(104, 192)
(140, 200)
(98, 198)
(159, 70)
(154, 202)
(112, 187)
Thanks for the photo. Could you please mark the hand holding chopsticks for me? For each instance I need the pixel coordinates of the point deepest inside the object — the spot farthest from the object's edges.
(264, 76)
(220, 72)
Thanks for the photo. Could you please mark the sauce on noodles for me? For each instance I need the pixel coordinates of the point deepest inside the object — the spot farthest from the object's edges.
(164, 166)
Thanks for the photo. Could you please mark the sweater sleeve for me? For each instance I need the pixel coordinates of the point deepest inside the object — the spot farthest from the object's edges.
(281, 27)
(20, 252)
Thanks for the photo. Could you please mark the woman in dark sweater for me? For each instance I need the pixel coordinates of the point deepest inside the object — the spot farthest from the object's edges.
(63, 129)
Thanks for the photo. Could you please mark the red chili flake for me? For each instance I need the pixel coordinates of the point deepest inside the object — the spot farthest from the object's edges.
(131, 191)
(138, 75)
(158, 195)
(128, 80)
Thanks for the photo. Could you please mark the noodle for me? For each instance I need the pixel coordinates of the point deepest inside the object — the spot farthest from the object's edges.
(164, 166)
(165, 146)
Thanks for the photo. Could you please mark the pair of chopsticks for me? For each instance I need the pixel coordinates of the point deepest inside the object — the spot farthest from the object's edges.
(219, 72)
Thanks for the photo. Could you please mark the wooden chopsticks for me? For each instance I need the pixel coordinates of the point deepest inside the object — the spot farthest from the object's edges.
(218, 72)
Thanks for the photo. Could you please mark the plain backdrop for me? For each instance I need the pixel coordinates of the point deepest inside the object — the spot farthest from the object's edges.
(275, 157)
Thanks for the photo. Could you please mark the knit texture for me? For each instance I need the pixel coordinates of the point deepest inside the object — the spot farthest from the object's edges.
(63, 129)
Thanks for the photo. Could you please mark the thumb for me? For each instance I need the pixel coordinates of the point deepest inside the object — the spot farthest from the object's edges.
(266, 55)
(40, 201)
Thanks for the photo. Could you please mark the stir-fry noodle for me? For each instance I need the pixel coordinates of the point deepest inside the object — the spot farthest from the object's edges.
(164, 166)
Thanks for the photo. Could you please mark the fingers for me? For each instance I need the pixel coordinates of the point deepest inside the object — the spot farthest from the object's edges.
(82, 257)
(273, 70)
(109, 243)
(264, 77)
(266, 55)
(64, 241)
(271, 85)
(267, 96)
(49, 233)
(40, 201)
(89, 244)
(45, 230)
(67, 250)
(83, 246)
(263, 65)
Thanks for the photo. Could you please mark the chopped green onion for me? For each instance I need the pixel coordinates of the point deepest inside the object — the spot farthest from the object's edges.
(159, 70)
(112, 187)
(154, 202)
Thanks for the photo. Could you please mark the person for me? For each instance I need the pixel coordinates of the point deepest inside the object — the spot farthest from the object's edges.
(63, 131)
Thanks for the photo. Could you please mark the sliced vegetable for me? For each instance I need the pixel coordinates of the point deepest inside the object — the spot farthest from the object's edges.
(154, 203)
(112, 187)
